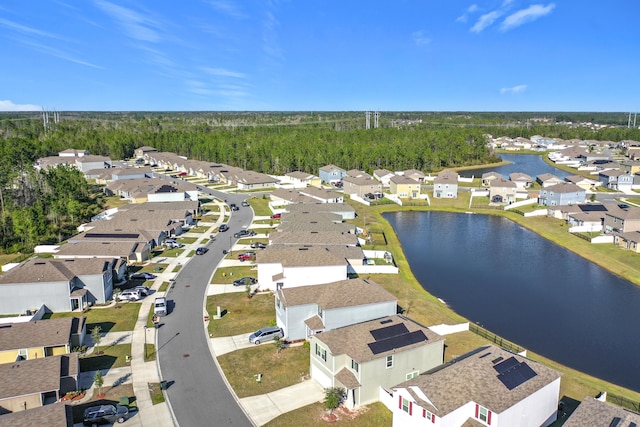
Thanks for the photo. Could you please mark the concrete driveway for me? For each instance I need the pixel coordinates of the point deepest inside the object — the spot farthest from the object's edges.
(265, 407)
(224, 345)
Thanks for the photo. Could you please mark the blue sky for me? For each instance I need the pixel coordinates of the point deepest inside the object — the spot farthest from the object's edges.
(320, 55)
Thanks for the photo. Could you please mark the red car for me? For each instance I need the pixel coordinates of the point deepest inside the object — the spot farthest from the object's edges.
(182, 174)
(247, 256)
(276, 216)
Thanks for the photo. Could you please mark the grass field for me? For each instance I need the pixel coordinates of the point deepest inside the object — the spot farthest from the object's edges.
(243, 315)
(371, 415)
(113, 356)
(109, 319)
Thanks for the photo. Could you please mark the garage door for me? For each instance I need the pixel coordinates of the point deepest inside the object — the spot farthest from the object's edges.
(320, 376)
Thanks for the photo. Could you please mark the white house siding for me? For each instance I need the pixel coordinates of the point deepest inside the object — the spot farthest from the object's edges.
(100, 286)
(296, 329)
(299, 276)
(344, 316)
(19, 297)
(178, 196)
(538, 409)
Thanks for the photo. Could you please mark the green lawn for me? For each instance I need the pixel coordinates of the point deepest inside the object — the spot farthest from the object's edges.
(150, 352)
(114, 356)
(243, 315)
(260, 206)
(375, 414)
(278, 370)
(157, 396)
(109, 319)
(165, 285)
(187, 240)
(226, 275)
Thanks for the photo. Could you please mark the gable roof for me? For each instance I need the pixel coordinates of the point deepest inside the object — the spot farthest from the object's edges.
(313, 238)
(58, 415)
(563, 187)
(36, 375)
(501, 182)
(297, 256)
(476, 377)
(344, 293)
(39, 333)
(330, 167)
(54, 270)
(378, 338)
(594, 413)
(402, 179)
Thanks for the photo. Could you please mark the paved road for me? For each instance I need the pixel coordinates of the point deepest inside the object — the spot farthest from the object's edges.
(197, 392)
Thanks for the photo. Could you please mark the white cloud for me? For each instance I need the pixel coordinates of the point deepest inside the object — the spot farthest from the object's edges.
(464, 17)
(29, 30)
(227, 7)
(222, 72)
(514, 89)
(420, 39)
(523, 16)
(7, 105)
(486, 20)
(137, 25)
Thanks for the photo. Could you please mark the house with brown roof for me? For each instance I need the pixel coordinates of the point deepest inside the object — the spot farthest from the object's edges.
(502, 191)
(344, 210)
(596, 413)
(307, 238)
(58, 284)
(305, 311)
(486, 387)
(404, 187)
(144, 151)
(283, 266)
(383, 175)
(582, 182)
(38, 339)
(522, 180)
(301, 179)
(621, 219)
(28, 384)
(331, 174)
(360, 185)
(367, 357)
(58, 415)
(88, 162)
(445, 185)
(489, 176)
(547, 179)
(561, 194)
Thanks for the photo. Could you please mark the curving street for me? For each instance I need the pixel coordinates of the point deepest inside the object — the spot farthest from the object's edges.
(197, 393)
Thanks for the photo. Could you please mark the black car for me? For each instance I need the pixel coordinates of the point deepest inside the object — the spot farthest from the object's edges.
(258, 245)
(201, 251)
(223, 228)
(245, 281)
(105, 414)
(234, 207)
(244, 233)
(245, 204)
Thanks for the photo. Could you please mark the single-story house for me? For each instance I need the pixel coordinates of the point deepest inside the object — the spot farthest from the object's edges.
(547, 179)
(486, 387)
(582, 182)
(629, 240)
(489, 176)
(342, 209)
(383, 175)
(304, 311)
(365, 357)
(38, 339)
(303, 179)
(321, 195)
(144, 151)
(522, 180)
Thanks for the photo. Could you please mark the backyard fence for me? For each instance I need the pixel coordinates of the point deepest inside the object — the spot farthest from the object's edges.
(623, 402)
(497, 340)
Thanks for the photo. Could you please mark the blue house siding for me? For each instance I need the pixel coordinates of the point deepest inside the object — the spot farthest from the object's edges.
(332, 175)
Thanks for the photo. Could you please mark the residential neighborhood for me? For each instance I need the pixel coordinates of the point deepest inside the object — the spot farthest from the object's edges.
(305, 265)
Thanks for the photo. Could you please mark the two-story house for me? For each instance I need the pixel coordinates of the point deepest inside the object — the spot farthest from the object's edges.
(502, 191)
(621, 219)
(404, 187)
(488, 386)
(368, 356)
(522, 180)
(445, 185)
(304, 311)
(331, 174)
(561, 194)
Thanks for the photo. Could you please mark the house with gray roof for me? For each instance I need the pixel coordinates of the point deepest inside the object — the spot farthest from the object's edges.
(488, 386)
(88, 162)
(331, 174)
(489, 176)
(307, 238)
(304, 311)
(445, 185)
(40, 338)
(582, 182)
(133, 251)
(383, 175)
(368, 357)
(596, 413)
(144, 151)
(344, 210)
(28, 384)
(323, 196)
(360, 185)
(58, 284)
(58, 415)
(522, 180)
(502, 191)
(547, 179)
(621, 219)
(404, 187)
(561, 194)
(281, 266)
(301, 179)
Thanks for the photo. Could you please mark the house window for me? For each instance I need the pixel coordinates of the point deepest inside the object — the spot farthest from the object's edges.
(428, 415)
(355, 366)
(321, 352)
(413, 374)
(406, 405)
(22, 354)
(483, 414)
(390, 361)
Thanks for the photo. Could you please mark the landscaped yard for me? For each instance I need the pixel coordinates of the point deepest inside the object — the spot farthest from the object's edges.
(114, 356)
(278, 370)
(260, 206)
(243, 315)
(109, 319)
(375, 414)
(226, 275)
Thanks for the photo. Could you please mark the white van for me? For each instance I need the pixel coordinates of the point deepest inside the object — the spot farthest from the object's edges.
(160, 307)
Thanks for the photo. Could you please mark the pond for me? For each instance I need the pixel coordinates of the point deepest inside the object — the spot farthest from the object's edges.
(531, 164)
(527, 290)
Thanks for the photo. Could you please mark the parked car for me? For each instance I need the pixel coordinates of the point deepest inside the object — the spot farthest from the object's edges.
(182, 174)
(173, 175)
(245, 204)
(265, 334)
(276, 216)
(160, 307)
(247, 256)
(105, 414)
(174, 245)
(223, 228)
(244, 233)
(129, 295)
(201, 250)
(234, 207)
(245, 281)
(369, 196)
(258, 245)
(144, 290)
(143, 275)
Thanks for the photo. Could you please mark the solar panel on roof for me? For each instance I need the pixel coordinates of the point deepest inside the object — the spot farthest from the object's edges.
(497, 359)
(112, 235)
(397, 342)
(389, 331)
(506, 365)
(518, 374)
(615, 422)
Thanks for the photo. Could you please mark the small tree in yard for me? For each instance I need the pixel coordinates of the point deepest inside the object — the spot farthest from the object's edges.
(279, 344)
(333, 397)
(248, 290)
(98, 380)
(95, 336)
(116, 294)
